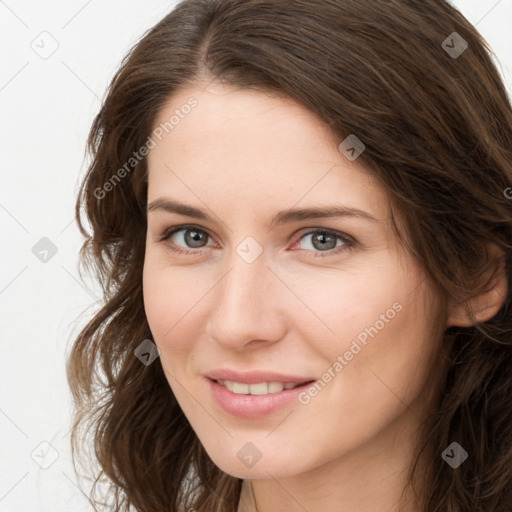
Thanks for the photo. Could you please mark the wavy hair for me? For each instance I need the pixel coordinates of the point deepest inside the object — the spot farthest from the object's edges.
(438, 135)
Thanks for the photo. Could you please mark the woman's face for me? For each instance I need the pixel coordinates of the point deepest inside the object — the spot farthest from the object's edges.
(282, 271)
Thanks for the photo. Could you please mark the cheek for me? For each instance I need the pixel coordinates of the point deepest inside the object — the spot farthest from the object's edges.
(172, 300)
(342, 307)
(390, 345)
(162, 302)
(156, 298)
(166, 306)
(379, 325)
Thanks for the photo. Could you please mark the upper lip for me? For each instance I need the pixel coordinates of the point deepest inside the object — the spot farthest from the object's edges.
(255, 377)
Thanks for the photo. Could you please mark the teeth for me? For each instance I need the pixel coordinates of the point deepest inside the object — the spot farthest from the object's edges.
(240, 388)
(275, 387)
(261, 388)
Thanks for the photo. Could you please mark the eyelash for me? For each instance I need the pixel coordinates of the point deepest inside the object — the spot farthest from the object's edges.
(347, 240)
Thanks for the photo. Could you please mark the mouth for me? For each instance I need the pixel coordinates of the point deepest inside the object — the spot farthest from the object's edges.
(259, 388)
(256, 399)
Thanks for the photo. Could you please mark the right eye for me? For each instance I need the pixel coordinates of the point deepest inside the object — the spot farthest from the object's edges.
(187, 237)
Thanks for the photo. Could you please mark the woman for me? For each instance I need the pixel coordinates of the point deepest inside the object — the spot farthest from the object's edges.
(300, 219)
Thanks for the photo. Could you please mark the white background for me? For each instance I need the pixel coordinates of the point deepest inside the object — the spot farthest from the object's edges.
(47, 106)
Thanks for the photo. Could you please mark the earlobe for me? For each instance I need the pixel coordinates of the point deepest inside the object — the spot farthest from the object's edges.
(486, 305)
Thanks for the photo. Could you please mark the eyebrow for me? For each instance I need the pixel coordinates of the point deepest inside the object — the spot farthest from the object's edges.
(282, 217)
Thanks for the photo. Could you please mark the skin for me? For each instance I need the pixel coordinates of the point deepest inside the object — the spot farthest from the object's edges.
(242, 156)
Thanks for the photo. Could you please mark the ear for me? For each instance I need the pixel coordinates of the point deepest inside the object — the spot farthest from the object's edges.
(486, 305)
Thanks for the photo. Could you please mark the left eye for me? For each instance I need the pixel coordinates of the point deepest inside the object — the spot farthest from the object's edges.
(322, 240)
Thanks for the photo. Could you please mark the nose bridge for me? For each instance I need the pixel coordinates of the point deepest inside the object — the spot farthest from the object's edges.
(245, 309)
(243, 291)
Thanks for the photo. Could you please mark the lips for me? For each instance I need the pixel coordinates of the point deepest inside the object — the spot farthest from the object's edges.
(256, 394)
(256, 377)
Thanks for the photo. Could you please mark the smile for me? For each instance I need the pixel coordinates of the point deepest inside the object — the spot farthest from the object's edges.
(260, 388)
(256, 399)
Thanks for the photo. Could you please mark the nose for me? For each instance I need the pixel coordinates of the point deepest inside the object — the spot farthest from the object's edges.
(249, 306)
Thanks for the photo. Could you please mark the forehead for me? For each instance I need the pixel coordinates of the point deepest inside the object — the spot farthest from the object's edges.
(250, 146)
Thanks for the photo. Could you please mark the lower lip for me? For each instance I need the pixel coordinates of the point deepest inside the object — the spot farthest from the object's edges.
(253, 406)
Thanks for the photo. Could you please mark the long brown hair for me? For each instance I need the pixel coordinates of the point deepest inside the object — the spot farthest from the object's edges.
(437, 127)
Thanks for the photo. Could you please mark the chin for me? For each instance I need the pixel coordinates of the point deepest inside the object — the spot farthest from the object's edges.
(261, 469)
